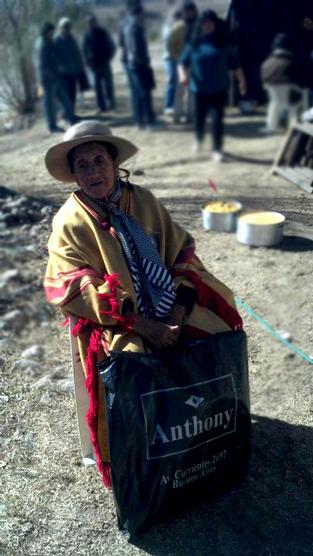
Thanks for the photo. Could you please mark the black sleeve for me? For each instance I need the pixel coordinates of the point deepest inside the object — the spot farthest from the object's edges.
(127, 307)
(232, 57)
(186, 297)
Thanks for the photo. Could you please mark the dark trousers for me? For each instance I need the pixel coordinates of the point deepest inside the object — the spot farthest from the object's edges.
(142, 99)
(215, 104)
(53, 91)
(69, 83)
(104, 87)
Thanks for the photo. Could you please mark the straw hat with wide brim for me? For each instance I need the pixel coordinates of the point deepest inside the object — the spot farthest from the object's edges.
(84, 132)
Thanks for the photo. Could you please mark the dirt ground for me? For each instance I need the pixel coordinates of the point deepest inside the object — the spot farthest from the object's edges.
(50, 503)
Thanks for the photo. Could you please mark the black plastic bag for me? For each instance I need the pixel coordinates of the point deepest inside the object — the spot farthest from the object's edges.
(179, 426)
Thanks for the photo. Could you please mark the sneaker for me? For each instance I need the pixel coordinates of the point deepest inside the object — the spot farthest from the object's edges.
(217, 156)
(267, 131)
(196, 147)
(169, 111)
(307, 116)
(57, 129)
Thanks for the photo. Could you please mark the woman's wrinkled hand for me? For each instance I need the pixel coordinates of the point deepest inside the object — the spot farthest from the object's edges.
(176, 316)
(158, 334)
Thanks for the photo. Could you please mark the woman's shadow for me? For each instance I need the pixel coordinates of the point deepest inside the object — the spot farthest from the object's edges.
(269, 514)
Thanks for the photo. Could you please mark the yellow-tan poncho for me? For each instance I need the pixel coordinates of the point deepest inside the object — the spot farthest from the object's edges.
(87, 276)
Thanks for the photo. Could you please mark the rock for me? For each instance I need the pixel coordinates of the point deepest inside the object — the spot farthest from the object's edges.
(13, 319)
(31, 248)
(8, 275)
(34, 231)
(6, 233)
(59, 372)
(48, 382)
(22, 291)
(65, 385)
(33, 352)
(43, 382)
(45, 211)
(285, 335)
(28, 365)
(8, 126)
(45, 399)
(28, 275)
(4, 508)
(3, 342)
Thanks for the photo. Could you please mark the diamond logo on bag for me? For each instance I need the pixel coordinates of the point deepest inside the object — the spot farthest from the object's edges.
(195, 415)
(194, 401)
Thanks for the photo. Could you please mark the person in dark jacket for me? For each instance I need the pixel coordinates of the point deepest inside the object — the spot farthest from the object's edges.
(184, 32)
(140, 71)
(69, 53)
(204, 66)
(99, 49)
(190, 16)
(49, 68)
(280, 77)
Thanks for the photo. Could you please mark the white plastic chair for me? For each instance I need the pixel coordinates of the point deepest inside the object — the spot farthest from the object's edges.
(81, 399)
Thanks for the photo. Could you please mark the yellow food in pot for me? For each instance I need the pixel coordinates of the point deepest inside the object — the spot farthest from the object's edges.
(263, 218)
(221, 206)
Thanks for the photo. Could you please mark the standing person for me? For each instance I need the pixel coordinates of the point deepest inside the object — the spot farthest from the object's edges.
(49, 70)
(99, 49)
(280, 76)
(173, 44)
(190, 16)
(140, 71)
(204, 66)
(69, 53)
(181, 34)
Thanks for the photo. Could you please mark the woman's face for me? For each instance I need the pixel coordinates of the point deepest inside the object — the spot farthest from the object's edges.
(208, 27)
(94, 170)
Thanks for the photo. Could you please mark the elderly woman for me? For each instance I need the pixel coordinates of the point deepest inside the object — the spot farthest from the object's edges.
(119, 263)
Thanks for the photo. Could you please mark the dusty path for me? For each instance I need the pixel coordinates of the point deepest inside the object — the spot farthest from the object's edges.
(51, 505)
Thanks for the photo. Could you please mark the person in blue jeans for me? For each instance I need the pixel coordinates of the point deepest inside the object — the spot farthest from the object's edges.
(204, 65)
(170, 62)
(140, 71)
(49, 68)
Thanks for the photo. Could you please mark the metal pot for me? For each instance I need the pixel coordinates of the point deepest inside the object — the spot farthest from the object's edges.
(262, 234)
(221, 221)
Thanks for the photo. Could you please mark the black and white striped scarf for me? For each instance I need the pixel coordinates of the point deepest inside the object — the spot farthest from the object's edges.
(153, 284)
